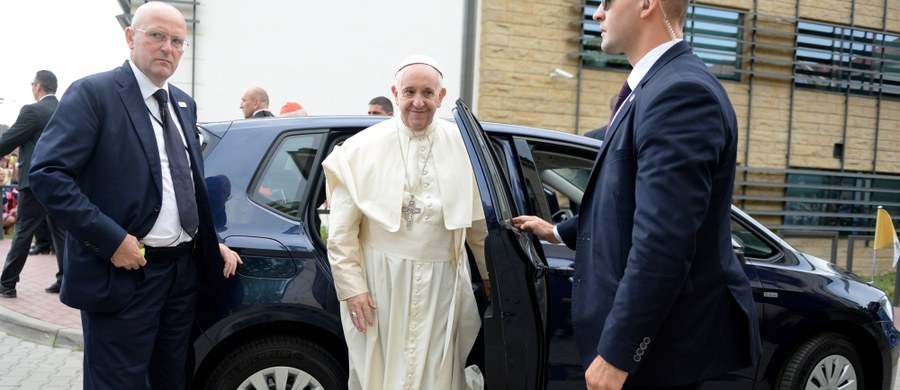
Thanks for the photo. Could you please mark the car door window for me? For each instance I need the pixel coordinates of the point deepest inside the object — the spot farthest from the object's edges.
(284, 177)
(755, 247)
(562, 173)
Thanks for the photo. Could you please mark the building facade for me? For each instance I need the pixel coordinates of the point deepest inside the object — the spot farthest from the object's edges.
(815, 84)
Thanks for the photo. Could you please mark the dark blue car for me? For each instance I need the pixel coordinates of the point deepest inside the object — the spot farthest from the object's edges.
(277, 326)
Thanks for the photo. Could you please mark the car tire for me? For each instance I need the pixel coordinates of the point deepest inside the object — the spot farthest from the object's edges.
(278, 363)
(826, 361)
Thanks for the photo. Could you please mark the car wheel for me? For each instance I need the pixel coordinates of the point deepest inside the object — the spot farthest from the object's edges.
(827, 361)
(278, 363)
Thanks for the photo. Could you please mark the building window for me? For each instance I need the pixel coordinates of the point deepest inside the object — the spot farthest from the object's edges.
(843, 202)
(842, 59)
(714, 33)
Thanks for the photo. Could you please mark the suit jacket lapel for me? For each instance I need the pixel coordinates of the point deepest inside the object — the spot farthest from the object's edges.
(137, 111)
(625, 110)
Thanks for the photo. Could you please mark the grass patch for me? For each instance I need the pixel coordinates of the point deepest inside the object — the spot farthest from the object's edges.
(885, 282)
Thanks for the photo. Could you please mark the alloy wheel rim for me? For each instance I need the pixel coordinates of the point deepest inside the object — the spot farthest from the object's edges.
(834, 372)
(281, 378)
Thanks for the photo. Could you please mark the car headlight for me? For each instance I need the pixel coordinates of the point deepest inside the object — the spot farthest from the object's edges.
(887, 306)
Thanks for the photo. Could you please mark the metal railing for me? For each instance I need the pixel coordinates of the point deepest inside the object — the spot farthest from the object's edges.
(769, 194)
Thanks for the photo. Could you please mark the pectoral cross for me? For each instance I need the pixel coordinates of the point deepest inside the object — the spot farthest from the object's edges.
(410, 211)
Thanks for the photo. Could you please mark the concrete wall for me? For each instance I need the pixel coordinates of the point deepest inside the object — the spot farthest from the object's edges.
(521, 44)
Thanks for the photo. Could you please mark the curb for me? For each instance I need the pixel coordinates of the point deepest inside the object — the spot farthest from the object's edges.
(40, 332)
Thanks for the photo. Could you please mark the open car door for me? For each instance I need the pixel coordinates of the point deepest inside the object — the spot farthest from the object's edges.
(515, 323)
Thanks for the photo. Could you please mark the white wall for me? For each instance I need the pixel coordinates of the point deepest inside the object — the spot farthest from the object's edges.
(72, 39)
(332, 57)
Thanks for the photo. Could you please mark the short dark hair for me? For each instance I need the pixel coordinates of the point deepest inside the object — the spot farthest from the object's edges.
(47, 80)
(383, 102)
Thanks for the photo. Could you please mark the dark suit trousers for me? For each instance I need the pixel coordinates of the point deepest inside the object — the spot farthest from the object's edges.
(42, 238)
(144, 345)
(30, 214)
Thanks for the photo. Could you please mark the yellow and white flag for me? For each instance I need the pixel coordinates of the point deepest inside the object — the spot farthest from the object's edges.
(885, 235)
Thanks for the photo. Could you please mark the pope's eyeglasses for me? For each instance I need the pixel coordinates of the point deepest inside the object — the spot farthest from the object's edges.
(161, 38)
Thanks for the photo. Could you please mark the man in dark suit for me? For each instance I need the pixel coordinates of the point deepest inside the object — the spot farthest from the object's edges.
(659, 298)
(24, 135)
(600, 132)
(119, 165)
(255, 103)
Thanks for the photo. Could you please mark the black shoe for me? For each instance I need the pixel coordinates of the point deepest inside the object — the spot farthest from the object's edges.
(7, 292)
(39, 250)
(53, 289)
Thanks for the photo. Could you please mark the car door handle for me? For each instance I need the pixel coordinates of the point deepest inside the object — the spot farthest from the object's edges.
(541, 271)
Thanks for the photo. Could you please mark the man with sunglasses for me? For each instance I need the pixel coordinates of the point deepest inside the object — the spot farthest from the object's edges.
(659, 300)
(119, 166)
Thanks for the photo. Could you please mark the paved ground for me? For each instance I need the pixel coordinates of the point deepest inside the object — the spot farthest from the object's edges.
(36, 315)
(40, 338)
(26, 365)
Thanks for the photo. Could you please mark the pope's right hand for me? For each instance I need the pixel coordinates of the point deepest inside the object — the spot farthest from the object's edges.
(128, 255)
(362, 311)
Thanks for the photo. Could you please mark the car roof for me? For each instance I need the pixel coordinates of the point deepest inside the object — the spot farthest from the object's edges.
(359, 122)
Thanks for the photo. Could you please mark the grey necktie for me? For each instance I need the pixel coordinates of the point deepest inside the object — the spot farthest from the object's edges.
(178, 167)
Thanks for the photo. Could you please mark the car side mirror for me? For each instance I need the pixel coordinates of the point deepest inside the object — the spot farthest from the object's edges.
(738, 247)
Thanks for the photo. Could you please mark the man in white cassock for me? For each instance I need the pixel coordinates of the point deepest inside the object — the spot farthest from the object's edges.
(403, 205)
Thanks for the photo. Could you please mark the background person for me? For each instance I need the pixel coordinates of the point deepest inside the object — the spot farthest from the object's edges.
(121, 167)
(7, 166)
(401, 273)
(599, 133)
(292, 109)
(255, 103)
(9, 196)
(30, 213)
(656, 279)
(381, 105)
(43, 242)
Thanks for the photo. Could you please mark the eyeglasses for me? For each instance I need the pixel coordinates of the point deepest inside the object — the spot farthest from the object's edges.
(161, 38)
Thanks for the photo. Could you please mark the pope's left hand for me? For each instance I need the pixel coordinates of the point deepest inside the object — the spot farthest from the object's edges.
(231, 259)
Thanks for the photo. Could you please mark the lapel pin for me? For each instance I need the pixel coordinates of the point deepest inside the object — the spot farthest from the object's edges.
(182, 104)
(631, 98)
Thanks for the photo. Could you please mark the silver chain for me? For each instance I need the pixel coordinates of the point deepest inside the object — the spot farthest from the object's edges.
(412, 190)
